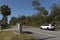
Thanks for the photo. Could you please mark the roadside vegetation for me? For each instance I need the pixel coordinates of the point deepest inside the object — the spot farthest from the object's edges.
(23, 37)
(9, 35)
(42, 16)
(5, 11)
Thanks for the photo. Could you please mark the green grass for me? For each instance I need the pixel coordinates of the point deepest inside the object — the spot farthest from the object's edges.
(23, 37)
(9, 35)
(6, 35)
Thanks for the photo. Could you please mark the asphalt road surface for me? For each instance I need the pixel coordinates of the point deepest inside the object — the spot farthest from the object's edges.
(43, 34)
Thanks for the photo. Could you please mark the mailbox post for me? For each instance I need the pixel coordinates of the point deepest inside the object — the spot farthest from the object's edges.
(20, 27)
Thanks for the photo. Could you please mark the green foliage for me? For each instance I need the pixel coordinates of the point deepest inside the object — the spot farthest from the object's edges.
(5, 11)
(35, 3)
(13, 21)
(55, 13)
(58, 27)
(34, 20)
(41, 17)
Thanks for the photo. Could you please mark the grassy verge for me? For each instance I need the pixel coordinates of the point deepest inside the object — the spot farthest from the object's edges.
(9, 35)
(6, 35)
(23, 37)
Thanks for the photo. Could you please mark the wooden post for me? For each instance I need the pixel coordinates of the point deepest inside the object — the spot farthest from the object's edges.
(21, 29)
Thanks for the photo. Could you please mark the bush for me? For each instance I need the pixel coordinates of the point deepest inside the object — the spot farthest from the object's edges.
(3, 26)
(58, 27)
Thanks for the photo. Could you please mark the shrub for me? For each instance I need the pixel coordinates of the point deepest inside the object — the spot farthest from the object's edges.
(58, 27)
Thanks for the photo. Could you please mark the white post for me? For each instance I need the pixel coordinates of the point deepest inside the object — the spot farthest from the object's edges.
(18, 27)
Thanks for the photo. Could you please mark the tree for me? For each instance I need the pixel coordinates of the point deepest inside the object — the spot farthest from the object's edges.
(5, 11)
(54, 16)
(42, 12)
(36, 4)
(40, 9)
(13, 21)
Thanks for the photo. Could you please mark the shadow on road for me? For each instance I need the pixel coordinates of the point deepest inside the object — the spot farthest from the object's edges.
(27, 32)
(46, 38)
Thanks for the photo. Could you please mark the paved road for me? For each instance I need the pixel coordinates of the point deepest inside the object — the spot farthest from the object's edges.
(41, 34)
(44, 34)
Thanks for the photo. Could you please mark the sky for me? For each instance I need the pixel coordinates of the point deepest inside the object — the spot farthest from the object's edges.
(24, 7)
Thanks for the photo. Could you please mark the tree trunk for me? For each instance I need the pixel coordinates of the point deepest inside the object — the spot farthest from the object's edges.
(4, 22)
